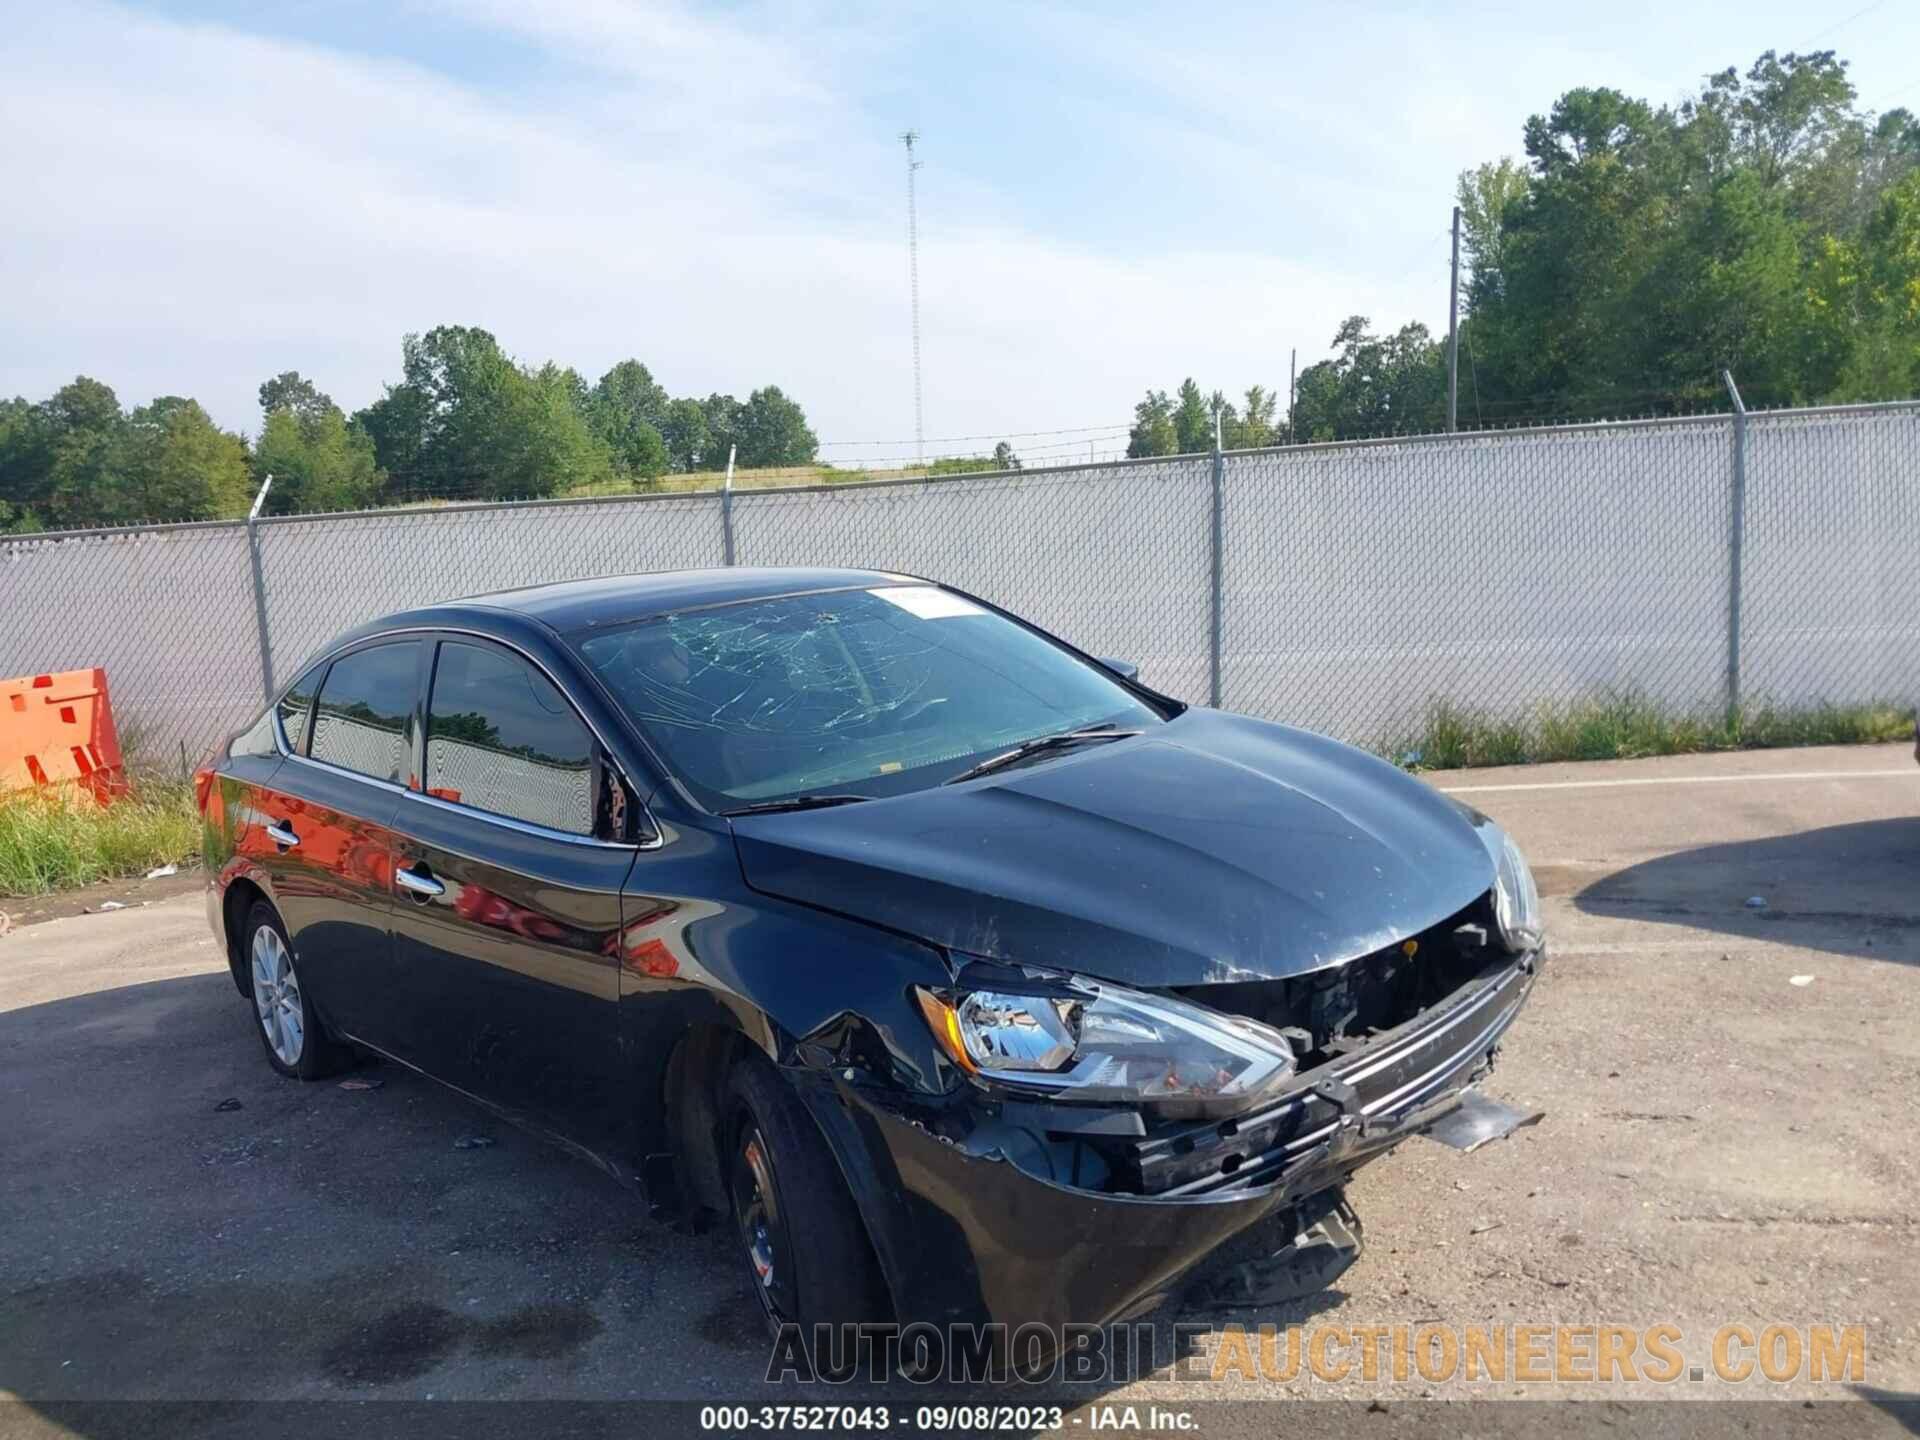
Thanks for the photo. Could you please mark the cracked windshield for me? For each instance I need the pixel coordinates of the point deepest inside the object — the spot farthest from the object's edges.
(867, 692)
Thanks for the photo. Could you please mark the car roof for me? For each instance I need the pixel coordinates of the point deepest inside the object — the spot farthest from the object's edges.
(616, 599)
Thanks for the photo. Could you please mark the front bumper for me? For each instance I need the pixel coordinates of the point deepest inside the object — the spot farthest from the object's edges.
(968, 1236)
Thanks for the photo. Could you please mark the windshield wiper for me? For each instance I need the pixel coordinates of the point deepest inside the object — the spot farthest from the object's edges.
(795, 802)
(1039, 745)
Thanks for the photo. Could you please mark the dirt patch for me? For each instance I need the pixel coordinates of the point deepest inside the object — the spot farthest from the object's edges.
(25, 910)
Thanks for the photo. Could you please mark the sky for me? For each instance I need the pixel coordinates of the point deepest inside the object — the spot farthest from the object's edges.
(203, 193)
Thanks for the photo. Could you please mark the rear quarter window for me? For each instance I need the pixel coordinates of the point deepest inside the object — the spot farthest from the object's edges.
(296, 707)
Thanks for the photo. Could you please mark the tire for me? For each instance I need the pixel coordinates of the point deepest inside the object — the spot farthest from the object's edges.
(782, 1182)
(296, 1043)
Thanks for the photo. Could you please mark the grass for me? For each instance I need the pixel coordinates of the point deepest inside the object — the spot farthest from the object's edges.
(57, 838)
(1629, 726)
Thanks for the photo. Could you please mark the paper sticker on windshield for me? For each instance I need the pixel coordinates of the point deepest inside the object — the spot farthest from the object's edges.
(927, 602)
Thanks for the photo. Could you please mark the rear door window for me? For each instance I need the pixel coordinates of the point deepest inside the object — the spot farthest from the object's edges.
(363, 721)
(296, 706)
(503, 739)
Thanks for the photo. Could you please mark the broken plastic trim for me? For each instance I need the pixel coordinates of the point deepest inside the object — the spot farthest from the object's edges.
(1479, 1119)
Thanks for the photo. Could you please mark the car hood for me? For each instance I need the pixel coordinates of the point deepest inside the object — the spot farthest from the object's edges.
(1212, 849)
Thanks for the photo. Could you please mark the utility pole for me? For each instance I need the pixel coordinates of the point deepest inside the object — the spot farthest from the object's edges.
(1453, 331)
(1293, 358)
(913, 281)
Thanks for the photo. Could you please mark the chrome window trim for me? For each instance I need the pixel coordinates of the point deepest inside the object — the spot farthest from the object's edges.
(527, 827)
(658, 839)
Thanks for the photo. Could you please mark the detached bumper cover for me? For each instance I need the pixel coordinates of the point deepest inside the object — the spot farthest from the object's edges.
(966, 1237)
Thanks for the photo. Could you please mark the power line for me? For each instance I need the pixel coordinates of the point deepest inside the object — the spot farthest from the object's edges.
(1842, 24)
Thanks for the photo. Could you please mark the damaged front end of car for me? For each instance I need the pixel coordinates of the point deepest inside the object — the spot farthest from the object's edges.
(1096, 1144)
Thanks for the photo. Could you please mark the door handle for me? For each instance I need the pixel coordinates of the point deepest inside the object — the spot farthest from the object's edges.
(282, 834)
(422, 886)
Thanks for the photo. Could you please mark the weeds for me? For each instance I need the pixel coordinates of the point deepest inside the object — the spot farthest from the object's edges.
(1629, 726)
(57, 838)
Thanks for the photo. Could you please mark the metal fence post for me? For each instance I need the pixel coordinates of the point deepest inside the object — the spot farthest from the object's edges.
(1217, 549)
(1736, 544)
(726, 511)
(260, 590)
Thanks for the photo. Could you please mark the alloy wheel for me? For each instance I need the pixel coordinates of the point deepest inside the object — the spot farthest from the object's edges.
(276, 996)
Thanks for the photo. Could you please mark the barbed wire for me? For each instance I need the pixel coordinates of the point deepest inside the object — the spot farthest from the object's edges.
(968, 439)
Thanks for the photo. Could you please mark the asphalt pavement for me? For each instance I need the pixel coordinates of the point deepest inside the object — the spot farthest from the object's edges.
(1726, 1044)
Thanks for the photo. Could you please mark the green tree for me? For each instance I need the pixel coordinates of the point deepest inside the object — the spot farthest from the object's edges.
(1004, 458)
(466, 421)
(1253, 426)
(1868, 294)
(84, 433)
(1486, 194)
(1783, 114)
(721, 414)
(1373, 385)
(1649, 248)
(772, 430)
(25, 461)
(628, 410)
(318, 459)
(290, 390)
(1587, 124)
(176, 464)
(318, 462)
(684, 429)
(1192, 420)
(1152, 432)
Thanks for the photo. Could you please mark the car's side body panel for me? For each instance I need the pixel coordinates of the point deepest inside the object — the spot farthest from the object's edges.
(333, 888)
(506, 982)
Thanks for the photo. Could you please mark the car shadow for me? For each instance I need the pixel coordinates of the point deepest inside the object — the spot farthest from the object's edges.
(188, 1240)
(1901, 1405)
(1846, 889)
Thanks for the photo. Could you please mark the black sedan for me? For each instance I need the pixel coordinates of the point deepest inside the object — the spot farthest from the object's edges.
(967, 977)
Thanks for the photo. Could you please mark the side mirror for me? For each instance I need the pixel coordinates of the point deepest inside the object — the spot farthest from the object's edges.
(1125, 669)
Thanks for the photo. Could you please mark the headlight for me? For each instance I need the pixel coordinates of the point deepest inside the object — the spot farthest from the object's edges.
(1516, 901)
(1090, 1041)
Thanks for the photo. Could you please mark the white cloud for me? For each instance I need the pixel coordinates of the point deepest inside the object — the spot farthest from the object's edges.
(194, 209)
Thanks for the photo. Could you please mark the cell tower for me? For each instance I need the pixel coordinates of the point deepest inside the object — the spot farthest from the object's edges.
(913, 282)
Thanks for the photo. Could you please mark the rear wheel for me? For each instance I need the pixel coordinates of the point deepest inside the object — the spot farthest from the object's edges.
(785, 1187)
(296, 1043)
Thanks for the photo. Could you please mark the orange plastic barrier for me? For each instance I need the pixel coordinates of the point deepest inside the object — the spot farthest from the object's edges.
(58, 729)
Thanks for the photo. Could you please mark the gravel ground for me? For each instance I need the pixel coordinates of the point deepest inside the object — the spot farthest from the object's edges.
(1721, 1144)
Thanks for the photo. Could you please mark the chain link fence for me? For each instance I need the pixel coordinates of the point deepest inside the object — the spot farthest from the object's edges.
(1344, 587)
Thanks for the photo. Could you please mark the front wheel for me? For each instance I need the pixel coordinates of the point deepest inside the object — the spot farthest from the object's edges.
(786, 1189)
(296, 1043)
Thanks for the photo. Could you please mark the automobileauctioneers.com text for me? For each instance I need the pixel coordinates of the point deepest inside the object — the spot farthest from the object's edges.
(1738, 1353)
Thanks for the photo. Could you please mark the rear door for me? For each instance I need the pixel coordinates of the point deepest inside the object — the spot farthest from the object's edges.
(507, 916)
(322, 825)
